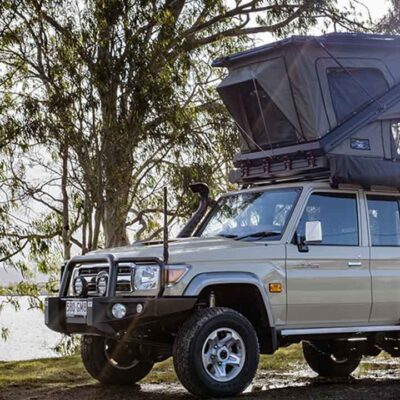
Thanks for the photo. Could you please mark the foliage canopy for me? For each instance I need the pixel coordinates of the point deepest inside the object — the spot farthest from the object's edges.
(103, 102)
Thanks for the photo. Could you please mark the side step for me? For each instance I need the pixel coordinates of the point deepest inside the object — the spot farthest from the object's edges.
(350, 329)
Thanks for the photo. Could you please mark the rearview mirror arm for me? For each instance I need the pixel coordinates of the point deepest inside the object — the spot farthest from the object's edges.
(301, 243)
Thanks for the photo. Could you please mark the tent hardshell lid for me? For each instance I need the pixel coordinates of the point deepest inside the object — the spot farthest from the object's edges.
(344, 38)
(341, 91)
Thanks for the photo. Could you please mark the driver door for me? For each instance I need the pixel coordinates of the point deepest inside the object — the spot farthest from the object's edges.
(329, 283)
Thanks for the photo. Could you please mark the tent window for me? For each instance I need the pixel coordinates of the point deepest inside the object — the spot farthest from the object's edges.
(268, 126)
(353, 88)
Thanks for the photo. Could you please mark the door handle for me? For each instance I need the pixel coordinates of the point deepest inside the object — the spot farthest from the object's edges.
(354, 263)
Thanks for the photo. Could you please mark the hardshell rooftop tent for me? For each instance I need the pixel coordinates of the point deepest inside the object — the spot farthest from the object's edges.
(317, 105)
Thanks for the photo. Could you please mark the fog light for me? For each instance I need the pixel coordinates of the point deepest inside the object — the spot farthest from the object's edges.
(101, 283)
(118, 311)
(79, 285)
(139, 308)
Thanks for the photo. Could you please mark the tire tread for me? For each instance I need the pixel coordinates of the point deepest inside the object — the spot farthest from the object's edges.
(182, 353)
(325, 366)
(97, 365)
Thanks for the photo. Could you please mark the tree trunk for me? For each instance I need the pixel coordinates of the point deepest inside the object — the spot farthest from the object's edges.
(117, 145)
(118, 167)
(65, 202)
(114, 221)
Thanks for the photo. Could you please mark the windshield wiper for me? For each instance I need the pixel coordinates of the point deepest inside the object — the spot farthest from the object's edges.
(227, 235)
(261, 234)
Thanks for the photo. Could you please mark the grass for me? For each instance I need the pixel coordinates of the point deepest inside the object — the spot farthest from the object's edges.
(69, 371)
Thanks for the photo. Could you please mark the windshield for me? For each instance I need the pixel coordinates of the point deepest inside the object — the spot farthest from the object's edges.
(251, 215)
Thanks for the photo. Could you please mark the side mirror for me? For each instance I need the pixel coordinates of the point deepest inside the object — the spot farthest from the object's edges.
(313, 232)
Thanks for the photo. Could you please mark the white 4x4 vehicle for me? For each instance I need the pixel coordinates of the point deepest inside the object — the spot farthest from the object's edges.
(268, 267)
(308, 250)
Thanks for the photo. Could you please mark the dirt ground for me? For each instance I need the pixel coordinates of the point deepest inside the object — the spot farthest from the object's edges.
(359, 389)
(311, 389)
(375, 379)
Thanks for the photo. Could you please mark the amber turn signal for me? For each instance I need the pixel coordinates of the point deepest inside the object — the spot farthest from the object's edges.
(275, 287)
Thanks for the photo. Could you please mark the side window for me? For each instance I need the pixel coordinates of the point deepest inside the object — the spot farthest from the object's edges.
(384, 220)
(338, 216)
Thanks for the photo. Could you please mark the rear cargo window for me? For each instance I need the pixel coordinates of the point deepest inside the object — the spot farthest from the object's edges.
(354, 87)
(384, 220)
(338, 216)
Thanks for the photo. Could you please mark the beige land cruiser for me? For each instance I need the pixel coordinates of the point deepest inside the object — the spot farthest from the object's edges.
(307, 250)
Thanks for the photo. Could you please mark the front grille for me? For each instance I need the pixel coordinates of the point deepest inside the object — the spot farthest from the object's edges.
(89, 273)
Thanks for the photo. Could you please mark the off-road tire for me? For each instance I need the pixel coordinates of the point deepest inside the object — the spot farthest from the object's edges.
(188, 346)
(100, 368)
(322, 362)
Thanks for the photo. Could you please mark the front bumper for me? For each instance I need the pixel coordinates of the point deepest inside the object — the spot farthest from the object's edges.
(158, 313)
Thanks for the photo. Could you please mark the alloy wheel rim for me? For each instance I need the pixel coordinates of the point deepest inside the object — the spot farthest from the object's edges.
(223, 354)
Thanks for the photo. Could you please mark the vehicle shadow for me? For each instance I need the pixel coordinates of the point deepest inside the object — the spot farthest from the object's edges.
(312, 389)
(330, 389)
(97, 391)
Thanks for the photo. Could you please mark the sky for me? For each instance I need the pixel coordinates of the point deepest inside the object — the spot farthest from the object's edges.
(377, 8)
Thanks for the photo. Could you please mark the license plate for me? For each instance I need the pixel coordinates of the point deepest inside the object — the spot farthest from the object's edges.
(76, 308)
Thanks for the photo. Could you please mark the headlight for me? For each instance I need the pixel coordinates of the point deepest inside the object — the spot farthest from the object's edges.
(147, 277)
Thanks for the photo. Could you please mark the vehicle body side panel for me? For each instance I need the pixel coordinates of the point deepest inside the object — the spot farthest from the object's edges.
(323, 289)
(259, 264)
(385, 268)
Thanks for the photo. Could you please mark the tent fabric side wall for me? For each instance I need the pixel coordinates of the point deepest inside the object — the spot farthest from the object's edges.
(364, 171)
(366, 142)
(273, 78)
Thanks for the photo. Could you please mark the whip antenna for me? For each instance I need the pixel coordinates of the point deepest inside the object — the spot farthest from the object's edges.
(165, 236)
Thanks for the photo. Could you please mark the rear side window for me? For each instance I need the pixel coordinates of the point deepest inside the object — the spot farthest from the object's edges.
(338, 216)
(384, 220)
(354, 87)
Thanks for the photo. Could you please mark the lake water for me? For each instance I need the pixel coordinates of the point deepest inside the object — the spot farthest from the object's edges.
(29, 337)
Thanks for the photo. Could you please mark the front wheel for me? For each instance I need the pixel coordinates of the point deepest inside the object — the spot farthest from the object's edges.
(112, 362)
(216, 353)
(327, 361)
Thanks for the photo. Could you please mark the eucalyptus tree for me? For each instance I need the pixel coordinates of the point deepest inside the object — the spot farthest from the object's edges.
(390, 23)
(112, 99)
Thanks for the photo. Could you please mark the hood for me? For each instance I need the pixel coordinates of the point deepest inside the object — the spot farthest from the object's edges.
(185, 250)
